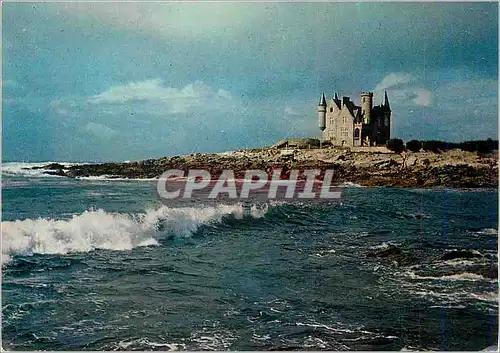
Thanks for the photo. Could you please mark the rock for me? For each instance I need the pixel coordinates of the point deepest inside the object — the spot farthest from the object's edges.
(392, 254)
(460, 254)
(59, 172)
(391, 250)
(487, 271)
(367, 169)
(55, 166)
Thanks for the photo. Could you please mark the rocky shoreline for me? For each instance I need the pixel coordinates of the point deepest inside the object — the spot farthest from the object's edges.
(369, 167)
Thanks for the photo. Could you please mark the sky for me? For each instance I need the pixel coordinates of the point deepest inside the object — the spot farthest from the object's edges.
(127, 81)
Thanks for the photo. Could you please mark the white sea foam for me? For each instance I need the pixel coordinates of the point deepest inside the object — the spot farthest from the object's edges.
(24, 169)
(487, 231)
(98, 229)
(348, 184)
(384, 245)
(462, 276)
(259, 212)
(144, 342)
(459, 262)
(487, 297)
(106, 177)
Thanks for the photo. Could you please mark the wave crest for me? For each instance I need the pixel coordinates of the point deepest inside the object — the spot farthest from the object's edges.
(98, 229)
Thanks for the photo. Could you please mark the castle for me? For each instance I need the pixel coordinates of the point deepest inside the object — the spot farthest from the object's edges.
(345, 124)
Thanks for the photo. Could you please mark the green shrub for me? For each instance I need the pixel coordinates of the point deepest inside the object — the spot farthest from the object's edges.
(414, 145)
(396, 145)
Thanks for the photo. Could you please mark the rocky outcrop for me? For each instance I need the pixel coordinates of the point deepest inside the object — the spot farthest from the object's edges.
(455, 169)
(476, 263)
(55, 166)
(392, 254)
(460, 254)
(487, 271)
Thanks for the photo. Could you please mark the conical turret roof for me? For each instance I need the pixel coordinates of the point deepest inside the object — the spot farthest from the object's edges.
(322, 100)
(386, 102)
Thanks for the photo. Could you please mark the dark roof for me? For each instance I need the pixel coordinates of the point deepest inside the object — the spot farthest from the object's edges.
(322, 100)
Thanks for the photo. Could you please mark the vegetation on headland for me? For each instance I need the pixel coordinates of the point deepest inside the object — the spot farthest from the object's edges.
(481, 146)
(367, 166)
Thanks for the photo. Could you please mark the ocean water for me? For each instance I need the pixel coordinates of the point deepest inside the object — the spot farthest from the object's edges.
(105, 265)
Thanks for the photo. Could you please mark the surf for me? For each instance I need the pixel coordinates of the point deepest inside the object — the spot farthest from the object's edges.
(99, 229)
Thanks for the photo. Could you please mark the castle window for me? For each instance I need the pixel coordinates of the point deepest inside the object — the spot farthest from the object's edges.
(344, 120)
(344, 132)
(386, 121)
(331, 109)
(379, 122)
(356, 134)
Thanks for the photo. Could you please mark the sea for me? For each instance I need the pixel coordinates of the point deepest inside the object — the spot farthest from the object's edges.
(100, 264)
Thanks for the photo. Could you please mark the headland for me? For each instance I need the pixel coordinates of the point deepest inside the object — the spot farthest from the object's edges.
(365, 166)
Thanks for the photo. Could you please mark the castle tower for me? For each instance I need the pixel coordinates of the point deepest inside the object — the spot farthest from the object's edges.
(366, 106)
(322, 113)
(387, 117)
(386, 102)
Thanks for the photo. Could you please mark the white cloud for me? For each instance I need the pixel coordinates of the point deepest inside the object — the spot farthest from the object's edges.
(99, 130)
(5, 83)
(170, 19)
(289, 110)
(10, 101)
(402, 92)
(59, 102)
(222, 93)
(394, 79)
(480, 94)
(422, 97)
(173, 100)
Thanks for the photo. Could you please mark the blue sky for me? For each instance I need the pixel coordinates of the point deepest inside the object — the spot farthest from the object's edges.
(126, 81)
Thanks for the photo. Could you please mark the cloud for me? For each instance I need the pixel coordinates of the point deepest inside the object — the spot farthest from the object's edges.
(289, 110)
(393, 80)
(268, 56)
(12, 90)
(4, 83)
(171, 20)
(10, 101)
(173, 100)
(99, 130)
(480, 92)
(422, 97)
(402, 91)
(222, 93)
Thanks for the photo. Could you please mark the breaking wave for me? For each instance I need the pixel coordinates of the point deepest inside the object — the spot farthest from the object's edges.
(98, 229)
(462, 276)
(348, 184)
(486, 231)
(25, 169)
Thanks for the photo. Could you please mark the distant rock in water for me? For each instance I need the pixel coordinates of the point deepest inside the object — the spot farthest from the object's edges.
(59, 172)
(394, 254)
(487, 271)
(53, 166)
(460, 254)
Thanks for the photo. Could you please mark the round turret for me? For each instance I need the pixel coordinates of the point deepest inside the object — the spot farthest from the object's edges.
(322, 113)
(366, 106)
